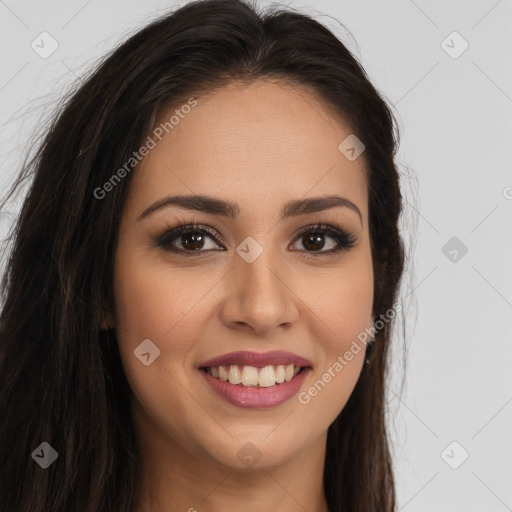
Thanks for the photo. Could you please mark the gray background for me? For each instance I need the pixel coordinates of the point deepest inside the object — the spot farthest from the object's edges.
(455, 115)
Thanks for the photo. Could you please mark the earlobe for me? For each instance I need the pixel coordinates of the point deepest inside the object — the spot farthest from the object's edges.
(108, 322)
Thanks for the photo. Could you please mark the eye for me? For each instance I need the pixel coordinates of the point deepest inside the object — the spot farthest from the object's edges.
(193, 239)
(313, 239)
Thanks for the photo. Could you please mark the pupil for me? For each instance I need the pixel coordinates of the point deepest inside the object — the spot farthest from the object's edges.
(316, 241)
(313, 242)
(196, 238)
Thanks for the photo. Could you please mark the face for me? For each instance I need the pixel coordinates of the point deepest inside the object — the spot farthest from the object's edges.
(245, 279)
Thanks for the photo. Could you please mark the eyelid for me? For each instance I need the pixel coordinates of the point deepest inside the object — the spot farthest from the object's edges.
(344, 239)
(191, 225)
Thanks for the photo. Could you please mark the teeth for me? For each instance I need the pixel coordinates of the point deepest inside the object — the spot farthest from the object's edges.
(234, 375)
(267, 377)
(253, 376)
(223, 374)
(280, 374)
(249, 376)
(288, 373)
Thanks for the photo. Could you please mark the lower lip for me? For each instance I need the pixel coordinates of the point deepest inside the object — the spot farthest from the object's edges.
(257, 398)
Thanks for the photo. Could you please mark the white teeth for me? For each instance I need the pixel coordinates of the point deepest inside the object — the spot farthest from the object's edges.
(250, 376)
(267, 377)
(234, 375)
(288, 373)
(223, 374)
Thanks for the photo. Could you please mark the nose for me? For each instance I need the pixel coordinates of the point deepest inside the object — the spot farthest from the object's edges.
(259, 296)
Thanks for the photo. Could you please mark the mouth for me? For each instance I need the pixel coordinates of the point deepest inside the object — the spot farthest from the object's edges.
(256, 380)
(253, 376)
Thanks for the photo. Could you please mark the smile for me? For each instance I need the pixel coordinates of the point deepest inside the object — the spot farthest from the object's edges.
(256, 380)
(252, 376)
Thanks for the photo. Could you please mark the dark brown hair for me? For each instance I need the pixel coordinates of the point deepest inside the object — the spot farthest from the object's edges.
(60, 380)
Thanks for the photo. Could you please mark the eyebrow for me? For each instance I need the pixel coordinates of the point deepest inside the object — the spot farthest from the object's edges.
(216, 206)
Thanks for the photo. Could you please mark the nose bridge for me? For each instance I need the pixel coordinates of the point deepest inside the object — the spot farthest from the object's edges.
(260, 295)
(261, 279)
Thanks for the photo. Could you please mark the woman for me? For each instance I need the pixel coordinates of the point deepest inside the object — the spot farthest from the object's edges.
(199, 297)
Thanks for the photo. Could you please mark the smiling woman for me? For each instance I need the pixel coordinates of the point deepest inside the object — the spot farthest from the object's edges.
(159, 338)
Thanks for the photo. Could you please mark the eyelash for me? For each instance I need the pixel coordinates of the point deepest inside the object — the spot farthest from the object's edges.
(168, 235)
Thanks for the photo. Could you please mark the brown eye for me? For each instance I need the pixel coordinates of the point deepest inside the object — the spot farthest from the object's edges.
(191, 238)
(314, 239)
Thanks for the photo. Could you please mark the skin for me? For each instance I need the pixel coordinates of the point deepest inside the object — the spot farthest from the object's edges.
(259, 145)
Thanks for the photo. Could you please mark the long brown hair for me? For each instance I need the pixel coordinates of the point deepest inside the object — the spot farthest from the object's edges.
(60, 381)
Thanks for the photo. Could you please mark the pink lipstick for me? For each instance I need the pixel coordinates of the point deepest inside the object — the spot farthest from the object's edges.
(256, 380)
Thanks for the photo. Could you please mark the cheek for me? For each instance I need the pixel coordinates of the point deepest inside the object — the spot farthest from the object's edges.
(168, 306)
(339, 366)
(154, 299)
(341, 300)
(162, 304)
(350, 307)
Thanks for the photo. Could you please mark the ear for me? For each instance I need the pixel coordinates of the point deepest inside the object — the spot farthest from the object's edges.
(108, 322)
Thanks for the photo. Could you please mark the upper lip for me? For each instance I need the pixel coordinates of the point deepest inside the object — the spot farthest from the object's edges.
(257, 359)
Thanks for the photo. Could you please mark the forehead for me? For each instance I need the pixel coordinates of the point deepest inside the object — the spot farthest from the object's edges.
(263, 140)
